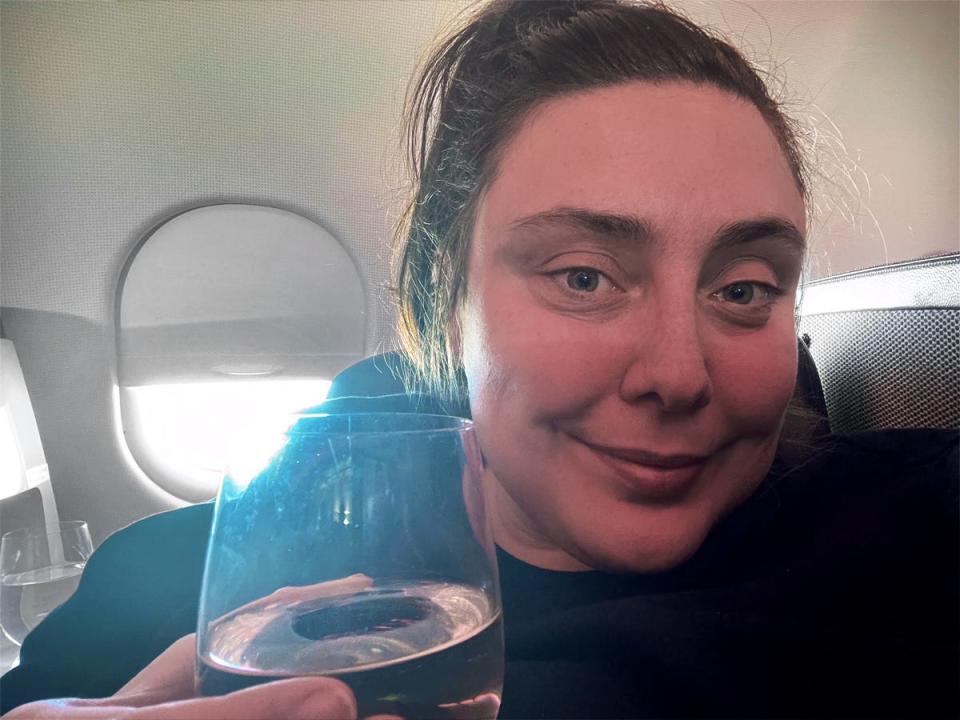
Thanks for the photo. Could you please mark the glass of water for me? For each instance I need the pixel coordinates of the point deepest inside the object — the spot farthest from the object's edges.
(39, 570)
(359, 547)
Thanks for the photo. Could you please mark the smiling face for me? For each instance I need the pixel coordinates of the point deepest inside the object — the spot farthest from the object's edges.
(628, 331)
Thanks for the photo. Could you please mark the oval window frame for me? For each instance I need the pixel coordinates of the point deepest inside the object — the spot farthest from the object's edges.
(153, 343)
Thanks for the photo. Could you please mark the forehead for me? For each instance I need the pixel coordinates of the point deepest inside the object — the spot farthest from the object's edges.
(683, 156)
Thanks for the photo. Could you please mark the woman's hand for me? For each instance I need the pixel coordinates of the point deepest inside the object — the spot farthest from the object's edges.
(164, 690)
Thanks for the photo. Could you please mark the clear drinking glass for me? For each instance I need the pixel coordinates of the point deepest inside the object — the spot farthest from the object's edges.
(357, 546)
(39, 570)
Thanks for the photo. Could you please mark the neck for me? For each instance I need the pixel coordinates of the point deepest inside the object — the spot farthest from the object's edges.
(518, 534)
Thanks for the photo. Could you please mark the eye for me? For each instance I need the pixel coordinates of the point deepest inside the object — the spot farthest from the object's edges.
(582, 287)
(748, 293)
(740, 293)
(583, 279)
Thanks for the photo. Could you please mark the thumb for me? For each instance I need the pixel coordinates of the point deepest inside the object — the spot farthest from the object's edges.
(170, 676)
(303, 698)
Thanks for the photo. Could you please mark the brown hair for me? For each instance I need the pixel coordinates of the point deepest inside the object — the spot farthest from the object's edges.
(474, 90)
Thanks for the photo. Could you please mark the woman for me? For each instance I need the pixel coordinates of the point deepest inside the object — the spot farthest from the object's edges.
(602, 256)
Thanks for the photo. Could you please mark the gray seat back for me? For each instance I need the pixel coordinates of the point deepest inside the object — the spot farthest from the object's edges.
(886, 342)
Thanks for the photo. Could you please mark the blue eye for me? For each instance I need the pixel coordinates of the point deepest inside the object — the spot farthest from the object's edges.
(740, 293)
(749, 294)
(583, 280)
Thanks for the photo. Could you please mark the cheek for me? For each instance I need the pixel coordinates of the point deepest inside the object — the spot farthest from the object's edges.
(755, 380)
(517, 355)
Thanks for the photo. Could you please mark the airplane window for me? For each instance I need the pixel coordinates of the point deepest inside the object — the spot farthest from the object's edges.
(228, 316)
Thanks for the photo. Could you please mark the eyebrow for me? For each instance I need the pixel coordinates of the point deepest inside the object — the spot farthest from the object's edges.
(636, 230)
(622, 228)
(746, 231)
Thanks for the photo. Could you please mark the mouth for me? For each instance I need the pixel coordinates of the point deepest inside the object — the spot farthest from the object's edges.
(648, 476)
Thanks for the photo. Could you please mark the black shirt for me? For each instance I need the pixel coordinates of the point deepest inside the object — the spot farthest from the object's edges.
(832, 592)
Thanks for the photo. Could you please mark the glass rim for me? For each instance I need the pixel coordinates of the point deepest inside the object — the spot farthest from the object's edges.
(455, 424)
(59, 528)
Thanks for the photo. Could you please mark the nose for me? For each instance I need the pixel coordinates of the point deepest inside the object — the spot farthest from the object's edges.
(668, 364)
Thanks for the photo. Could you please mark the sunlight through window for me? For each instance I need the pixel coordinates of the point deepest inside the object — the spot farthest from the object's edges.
(194, 430)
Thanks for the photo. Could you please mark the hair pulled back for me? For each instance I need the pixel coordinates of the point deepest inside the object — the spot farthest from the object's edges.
(472, 93)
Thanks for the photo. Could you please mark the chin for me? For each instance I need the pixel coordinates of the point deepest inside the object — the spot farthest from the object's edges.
(644, 561)
(644, 547)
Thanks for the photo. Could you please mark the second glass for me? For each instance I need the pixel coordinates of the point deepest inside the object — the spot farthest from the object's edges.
(39, 570)
(357, 546)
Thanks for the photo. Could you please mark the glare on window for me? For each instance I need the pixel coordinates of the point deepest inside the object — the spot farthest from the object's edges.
(194, 427)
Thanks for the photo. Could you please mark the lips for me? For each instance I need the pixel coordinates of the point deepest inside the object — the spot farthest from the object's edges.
(649, 476)
(650, 459)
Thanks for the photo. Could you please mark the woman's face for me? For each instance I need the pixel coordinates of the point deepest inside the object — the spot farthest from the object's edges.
(628, 331)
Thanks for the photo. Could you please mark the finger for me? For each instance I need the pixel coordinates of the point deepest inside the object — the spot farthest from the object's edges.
(296, 593)
(306, 698)
(169, 677)
(62, 709)
(316, 698)
(478, 708)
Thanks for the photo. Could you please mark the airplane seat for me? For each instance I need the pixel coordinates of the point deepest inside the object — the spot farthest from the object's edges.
(375, 375)
(26, 495)
(886, 342)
